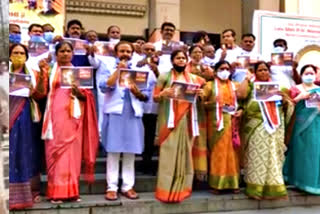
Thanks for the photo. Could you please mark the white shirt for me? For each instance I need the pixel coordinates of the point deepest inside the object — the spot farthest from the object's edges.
(251, 54)
(231, 56)
(209, 61)
(113, 102)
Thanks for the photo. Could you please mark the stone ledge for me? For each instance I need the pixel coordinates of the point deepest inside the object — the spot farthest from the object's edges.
(199, 202)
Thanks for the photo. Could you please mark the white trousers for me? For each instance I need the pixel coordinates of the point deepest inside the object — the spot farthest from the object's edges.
(128, 178)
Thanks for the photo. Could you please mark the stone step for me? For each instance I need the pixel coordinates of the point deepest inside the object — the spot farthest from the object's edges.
(199, 202)
(143, 183)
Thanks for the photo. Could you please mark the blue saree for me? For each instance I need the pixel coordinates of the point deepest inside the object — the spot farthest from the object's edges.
(24, 156)
(302, 165)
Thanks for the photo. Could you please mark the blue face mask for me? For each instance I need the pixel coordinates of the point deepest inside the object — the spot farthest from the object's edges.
(48, 36)
(15, 38)
(37, 39)
(308, 78)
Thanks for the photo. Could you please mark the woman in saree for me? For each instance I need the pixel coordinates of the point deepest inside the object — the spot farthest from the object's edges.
(176, 129)
(263, 138)
(220, 100)
(302, 165)
(199, 149)
(70, 131)
(24, 136)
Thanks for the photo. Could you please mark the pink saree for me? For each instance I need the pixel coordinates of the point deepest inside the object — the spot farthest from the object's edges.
(69, 140)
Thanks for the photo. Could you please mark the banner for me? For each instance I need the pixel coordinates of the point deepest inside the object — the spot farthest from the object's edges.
(27, 12)
(300, 32)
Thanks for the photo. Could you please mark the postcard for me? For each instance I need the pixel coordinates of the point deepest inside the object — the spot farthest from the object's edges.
(168, 48)
(267, 91)
(79, 46)
(184, 91)
(128, 76)
(37, 48)
(19, 84)
(104, 48)
(314, 99)
(243, 61)
(80, 76)
(284, 58)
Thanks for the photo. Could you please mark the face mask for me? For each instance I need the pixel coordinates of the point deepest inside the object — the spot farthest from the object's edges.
(114, 41)
(15, 38)
(278, 49)
(48, 36)
(179, 68)
(18, 60)
(308, 78)
(37, 39)
(223, 74)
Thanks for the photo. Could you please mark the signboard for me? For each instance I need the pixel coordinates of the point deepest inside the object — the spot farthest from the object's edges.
(27, 12)
(298, 31)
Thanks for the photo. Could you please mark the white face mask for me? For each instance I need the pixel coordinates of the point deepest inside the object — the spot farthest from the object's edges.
(309, 78)
(278, 49)
(114, 41)
(223, 74)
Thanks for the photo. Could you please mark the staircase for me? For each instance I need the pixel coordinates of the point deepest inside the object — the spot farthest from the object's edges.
(201, 201)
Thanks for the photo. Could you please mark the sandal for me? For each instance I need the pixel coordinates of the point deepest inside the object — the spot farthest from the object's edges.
(131, 194)
(215, 191)
(56, 201)
(111, 195)
(236, 191)
(37, 199)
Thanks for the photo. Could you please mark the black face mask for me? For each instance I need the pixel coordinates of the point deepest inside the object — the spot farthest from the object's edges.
(179, 68)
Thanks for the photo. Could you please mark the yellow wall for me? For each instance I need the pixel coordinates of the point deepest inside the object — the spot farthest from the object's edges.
(212, 16)
(270, 5)
(129, 25)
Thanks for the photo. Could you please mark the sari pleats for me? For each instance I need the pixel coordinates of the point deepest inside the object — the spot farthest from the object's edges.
(302, 165)
(175, 173)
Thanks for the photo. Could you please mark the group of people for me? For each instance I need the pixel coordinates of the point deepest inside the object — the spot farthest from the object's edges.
(211, 139)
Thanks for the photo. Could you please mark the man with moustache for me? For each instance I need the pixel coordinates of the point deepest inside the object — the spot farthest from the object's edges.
(167, 32)
(122, 124)
(247, 44)
(74, 28)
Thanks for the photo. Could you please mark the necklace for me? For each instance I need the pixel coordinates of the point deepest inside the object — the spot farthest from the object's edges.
(305, 88)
